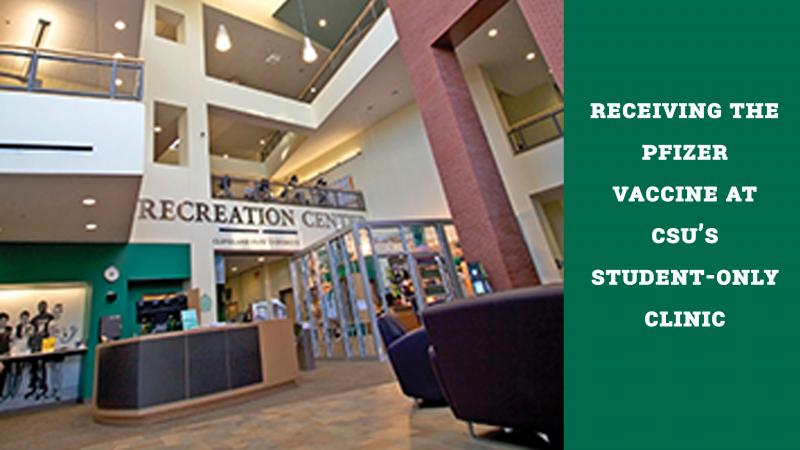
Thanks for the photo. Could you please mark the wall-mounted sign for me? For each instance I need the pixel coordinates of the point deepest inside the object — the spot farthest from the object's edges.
(241, 214)
(205, 303)
(239, 225)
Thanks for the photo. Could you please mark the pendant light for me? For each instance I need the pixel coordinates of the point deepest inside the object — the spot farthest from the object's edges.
(223, 40)
(309, 52)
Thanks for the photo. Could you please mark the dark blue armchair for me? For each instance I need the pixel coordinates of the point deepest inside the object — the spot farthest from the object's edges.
(408, 353)
(500, 358)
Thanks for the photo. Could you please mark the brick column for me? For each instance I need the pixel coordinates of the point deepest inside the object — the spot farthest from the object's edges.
(482, 213)
(546, 20)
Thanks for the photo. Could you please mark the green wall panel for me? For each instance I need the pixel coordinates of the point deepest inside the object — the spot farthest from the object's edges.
(54, 263)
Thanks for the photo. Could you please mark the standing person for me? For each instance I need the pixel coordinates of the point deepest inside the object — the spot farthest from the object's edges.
(63, 335)
(20, 345)
(6, 335)
(225, 186)
(320, 188)
(41, 331)
(41, 321)
(23, 334)
(289, 189)
(250, 191)
(263, 190)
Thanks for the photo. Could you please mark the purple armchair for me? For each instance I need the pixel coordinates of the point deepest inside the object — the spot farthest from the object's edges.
(500, 358)
(408, 353)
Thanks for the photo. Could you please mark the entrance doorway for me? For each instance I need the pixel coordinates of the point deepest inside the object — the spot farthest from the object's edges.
(254, 283)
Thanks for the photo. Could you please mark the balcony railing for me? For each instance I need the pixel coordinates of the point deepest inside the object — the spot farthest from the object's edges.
(282, 193)
(537, 130)
(70, 72)
(361, 25)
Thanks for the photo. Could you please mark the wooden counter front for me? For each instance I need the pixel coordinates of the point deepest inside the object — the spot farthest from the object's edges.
(158, 376)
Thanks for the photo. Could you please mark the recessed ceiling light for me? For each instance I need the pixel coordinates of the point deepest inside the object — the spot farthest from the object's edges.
(492, 32)
(530, 56)
(322, 23)
(89, 201)
(157, 129)
(262, 141)
(118, 55)
(120, 25)
(260, 259)
(313, 90)
(118, 82)
(225, 156)
(90, 226)
(234, 268)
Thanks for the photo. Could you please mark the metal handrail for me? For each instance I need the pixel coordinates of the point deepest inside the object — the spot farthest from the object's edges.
(323, 197)
(33, 56)
(354, 31)
(517, 134)
(72, 53)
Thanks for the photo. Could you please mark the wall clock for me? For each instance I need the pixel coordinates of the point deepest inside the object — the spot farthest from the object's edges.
(111, 274)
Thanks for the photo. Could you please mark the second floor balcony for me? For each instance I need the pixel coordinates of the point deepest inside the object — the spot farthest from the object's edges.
(40, 70)
(263, 190)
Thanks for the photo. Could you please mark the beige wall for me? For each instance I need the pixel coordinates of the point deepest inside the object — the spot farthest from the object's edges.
(518, 108)
(277, 278)
(259, 283)
(247, 287)
(395, 168)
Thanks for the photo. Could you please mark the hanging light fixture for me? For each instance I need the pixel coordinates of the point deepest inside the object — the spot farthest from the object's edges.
(309, 52)
(223, 40)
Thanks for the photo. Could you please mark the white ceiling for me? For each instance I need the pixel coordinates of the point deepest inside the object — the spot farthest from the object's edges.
(503, 56)
(245, 63)
(86, 25)
(82, 25)
(237, 135)
(381, 92)
(48, 208)
(245, 262)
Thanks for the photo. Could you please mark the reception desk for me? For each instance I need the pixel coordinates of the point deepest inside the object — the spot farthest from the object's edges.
(151, 377)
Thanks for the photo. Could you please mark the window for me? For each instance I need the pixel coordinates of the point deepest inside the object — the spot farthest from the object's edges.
(169, 24)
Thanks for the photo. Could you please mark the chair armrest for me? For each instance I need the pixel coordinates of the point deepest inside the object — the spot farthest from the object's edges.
(410, 346)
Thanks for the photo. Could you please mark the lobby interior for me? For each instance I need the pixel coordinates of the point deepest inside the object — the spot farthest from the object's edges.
(281, 224)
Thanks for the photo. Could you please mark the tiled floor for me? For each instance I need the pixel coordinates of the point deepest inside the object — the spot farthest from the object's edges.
(341, 405)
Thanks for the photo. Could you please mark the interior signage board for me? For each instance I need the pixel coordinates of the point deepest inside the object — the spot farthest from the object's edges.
(239, 225)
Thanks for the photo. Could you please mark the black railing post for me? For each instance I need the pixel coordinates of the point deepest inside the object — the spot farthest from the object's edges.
(555, 121)
(32, 71)
(141, 82)
(113, 86)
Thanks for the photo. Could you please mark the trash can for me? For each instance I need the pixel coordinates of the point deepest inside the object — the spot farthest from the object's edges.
(305, 349)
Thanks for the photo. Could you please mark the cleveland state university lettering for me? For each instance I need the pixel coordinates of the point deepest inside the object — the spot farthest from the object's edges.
(233, 214)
